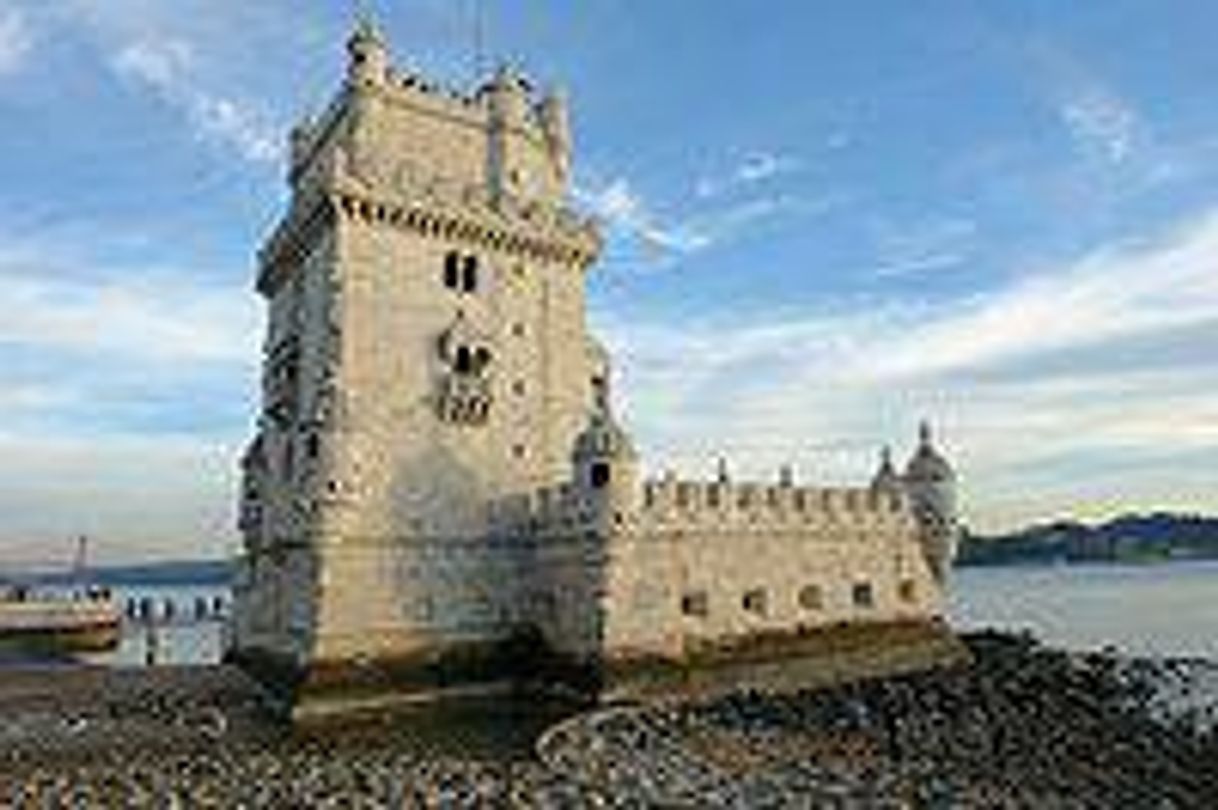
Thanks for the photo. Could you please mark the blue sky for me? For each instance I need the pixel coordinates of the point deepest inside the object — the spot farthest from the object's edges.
(825, 221)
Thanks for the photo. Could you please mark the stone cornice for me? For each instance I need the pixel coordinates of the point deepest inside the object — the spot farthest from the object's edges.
(529, 232)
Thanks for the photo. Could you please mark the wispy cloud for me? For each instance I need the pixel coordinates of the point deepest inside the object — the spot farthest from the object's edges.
(633, 222)
(924, 247)
(1101, 122)
(166, 66)
(625, 212)
(124, 395)
(136, 496)
(166, 320)
(768, 391)
(16, 39)
(757, 167)
(1104, 125)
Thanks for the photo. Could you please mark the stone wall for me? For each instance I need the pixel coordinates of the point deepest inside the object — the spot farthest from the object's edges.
(695, 564)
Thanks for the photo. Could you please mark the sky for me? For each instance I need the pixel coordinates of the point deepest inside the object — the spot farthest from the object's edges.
(825, 221)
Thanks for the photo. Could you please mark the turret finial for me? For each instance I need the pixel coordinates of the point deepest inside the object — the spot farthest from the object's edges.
(721, 471)
(369, 55)
(365, 20)
(924, 433)
(786, 476)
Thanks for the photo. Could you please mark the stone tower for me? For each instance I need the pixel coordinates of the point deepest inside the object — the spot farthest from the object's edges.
(426, 354)
(438, 493)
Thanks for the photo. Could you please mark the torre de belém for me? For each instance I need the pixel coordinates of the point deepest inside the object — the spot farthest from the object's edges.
(438, 494)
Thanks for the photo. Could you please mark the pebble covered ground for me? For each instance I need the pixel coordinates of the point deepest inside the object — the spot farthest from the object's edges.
(1023, 726)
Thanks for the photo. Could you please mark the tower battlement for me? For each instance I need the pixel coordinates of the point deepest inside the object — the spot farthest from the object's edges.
(665, 503)
(392, 127)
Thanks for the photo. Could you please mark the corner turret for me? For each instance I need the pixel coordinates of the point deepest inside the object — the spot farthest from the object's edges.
(555, 125)
(368, 55)
(605, 465)
(931, 484)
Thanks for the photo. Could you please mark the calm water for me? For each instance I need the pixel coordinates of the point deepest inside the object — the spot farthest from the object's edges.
(1150, 610)
(1155, 610)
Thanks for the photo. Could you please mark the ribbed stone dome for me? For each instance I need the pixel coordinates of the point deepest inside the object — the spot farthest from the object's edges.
(927, 464)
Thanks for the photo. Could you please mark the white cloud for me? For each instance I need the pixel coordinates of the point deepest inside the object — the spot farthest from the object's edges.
(775, 391)
(164, 320)
(757, 167)
(104, 384)
(1108, 295)
(920, 248)
(167, 66)
(136, 497)
(15, 40)
(1101, 122)
(623, 210)
(631, 220)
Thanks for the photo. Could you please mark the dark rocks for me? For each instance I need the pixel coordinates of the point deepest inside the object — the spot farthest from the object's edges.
(1022, 726)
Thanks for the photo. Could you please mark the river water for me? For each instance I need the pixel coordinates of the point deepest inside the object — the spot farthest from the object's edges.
(1163, 610)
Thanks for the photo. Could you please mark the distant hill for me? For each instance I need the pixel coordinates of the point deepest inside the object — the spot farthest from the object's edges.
(1129, 538)
(173, 572)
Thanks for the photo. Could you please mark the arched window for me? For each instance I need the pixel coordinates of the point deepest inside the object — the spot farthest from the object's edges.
(452, 270)
(469, 274)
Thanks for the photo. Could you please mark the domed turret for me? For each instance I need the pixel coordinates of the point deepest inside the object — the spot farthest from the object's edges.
(605, 463)
(927, 465)
(931, 484)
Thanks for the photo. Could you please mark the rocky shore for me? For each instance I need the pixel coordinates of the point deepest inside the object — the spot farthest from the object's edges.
(1023, 726)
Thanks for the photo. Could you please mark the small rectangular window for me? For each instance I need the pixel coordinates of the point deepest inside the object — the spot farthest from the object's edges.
(452, 270)
(863, 595)
(695, 604)
(469, 274)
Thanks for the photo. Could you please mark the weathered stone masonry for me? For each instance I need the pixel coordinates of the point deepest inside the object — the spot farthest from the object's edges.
(437, 472)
